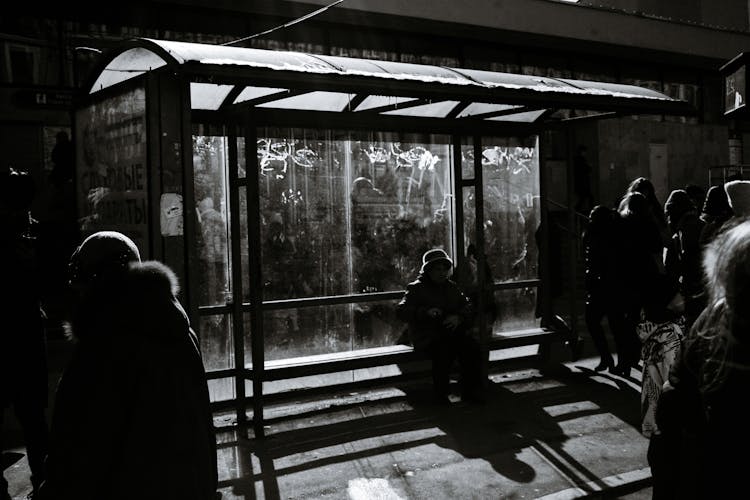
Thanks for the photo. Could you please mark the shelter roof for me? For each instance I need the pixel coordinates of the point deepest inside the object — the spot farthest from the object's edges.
(223, 77)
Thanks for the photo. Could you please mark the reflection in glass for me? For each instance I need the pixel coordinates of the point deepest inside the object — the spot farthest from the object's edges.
(210, 173)
(216, 344)
(217, 347)
(510, 170)
(467, 158)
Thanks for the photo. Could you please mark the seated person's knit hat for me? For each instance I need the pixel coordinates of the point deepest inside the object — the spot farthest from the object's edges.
(434, 256)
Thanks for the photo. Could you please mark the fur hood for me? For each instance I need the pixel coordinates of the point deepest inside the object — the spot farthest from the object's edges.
(154, 278)
(142, 301)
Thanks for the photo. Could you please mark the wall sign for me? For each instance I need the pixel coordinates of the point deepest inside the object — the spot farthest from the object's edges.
(112, 190)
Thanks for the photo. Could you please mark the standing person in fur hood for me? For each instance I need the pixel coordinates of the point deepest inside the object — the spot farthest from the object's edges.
(131, 416)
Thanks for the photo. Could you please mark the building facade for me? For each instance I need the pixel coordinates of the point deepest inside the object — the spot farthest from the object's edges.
(674, 47)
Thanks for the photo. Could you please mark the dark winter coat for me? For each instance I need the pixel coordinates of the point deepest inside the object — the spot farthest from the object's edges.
(131, 416)
(685, 254)
(704, 414)
(602, 277)
(23, 359)
(640, 249)
(424, 294)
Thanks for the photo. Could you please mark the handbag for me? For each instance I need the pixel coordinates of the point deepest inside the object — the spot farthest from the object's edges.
(660, 345)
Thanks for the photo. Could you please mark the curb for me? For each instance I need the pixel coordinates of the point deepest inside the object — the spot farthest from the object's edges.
(618, 484)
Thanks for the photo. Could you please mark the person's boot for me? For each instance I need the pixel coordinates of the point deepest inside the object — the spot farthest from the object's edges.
(606, 363)
(622, 369)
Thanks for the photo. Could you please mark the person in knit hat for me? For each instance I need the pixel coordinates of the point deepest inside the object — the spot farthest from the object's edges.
(738, 193)
(716, 211)
(134, 388)
(439, 316)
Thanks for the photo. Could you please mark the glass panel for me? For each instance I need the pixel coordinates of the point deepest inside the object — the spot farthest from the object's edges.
(241, 159)
(247, 337)
(400, 207)
(336, 210)
(527, 117)
(221, 389)
(304, 213)
(217, 348)
(377, 101)
(210, 157)
(376, 325)
(342, 214)
(249, 93)
(510, 170)
(477, 108)
(470, 215)
(111, 177)
(216, 341)
(312, 101)
(244, 244)
(467, 158)
(208, 95)
(436, 109)
(300, 332)
(516, 310)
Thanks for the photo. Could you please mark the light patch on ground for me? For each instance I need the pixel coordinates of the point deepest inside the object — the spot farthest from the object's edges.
(371, 489)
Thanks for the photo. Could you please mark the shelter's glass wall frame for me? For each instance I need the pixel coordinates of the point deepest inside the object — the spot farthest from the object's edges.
(327, 199)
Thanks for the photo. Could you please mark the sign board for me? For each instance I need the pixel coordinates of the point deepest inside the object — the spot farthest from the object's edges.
(55, 99)
(735, 85)
(734, 90)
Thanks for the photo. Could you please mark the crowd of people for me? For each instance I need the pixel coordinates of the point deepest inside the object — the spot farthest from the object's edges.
(671, 283)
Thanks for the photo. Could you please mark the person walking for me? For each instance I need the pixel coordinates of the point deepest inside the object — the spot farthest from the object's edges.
(644, 186)
(683, 255)
(700, 408)
(640, 257)
(23, 353)
(600, 249)
(439, 316)
(131, 416)
(716, 211)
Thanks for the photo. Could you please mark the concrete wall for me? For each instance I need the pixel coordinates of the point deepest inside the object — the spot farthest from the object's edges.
(731, 14)
(625, 152)
(583, 22)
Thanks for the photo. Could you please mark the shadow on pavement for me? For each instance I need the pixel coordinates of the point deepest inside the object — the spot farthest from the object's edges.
(497, 431)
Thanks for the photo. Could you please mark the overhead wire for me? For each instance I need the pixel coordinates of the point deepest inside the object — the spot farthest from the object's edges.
(286, 25)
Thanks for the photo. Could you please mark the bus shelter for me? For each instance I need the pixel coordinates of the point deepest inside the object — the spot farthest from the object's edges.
(294, 195)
